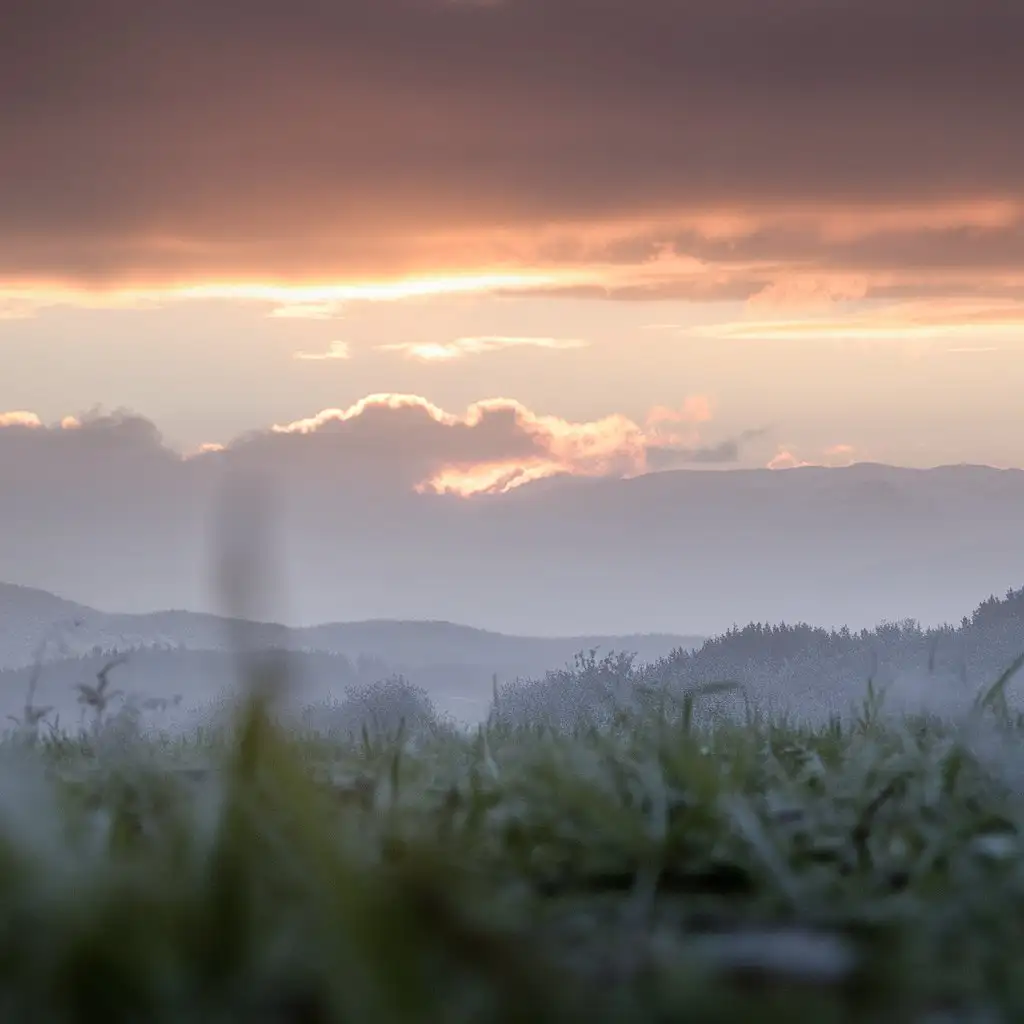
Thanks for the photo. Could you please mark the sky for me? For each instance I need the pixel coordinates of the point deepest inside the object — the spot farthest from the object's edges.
(726, 233)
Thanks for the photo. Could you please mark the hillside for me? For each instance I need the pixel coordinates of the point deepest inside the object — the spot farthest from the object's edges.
(803, 672)
(29, 616)
(188, 653)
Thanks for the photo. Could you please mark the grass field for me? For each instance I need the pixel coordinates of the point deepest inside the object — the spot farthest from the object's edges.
(664, 866)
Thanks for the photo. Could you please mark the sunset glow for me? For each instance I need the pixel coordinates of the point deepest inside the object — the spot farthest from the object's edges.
(911, 321)
(488, 478)
(461, 280)
(405, 219)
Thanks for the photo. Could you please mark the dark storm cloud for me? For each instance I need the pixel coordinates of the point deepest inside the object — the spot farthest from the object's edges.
(178, 138)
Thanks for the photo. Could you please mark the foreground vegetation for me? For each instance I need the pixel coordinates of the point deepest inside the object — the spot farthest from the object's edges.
(663, 864)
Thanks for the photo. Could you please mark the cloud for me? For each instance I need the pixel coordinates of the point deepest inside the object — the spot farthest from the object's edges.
(840, 455)
(307, 311)
(495, 445)
(20, 418)
(544, 137)
(809, 291)
(835, 456)
(930, 319)
(17, 307)
(336, 350)
(442, 352)
(399, 443)
(104, 510)
(679, 455)
(95, 466)
(785, 459)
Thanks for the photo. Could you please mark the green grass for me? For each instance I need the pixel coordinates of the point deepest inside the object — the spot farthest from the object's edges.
(664, 867)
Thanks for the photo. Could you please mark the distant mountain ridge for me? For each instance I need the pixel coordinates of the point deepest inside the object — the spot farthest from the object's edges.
(695, 549)
(38, 624)
(793, 669)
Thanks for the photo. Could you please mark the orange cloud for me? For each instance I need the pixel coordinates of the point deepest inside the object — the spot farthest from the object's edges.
(336, 350)
(15, 306)
(695, 409)
(440, 352)
(679, 426)
(443, 154)
(498, 444)
(840, 455)
(834, 222)
(314, 276)
(540, 445)
(782, 256)
(838, 222)
(30, 420)
(795, 290)
(288, 297)
(382, 400)
(20, 418)
(785, 459)
(836, 456)
(489, 477)
(307, 311)
(929, 319)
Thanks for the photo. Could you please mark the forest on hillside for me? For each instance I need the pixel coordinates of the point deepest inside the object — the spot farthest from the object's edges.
(799, 670)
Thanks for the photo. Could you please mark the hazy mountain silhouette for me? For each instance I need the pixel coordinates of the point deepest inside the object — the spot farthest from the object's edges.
(683, 551)
(30, 617)
(794, 669)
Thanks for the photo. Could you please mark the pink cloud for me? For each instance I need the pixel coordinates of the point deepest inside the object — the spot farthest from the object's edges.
(785, 459)
(836, 455)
